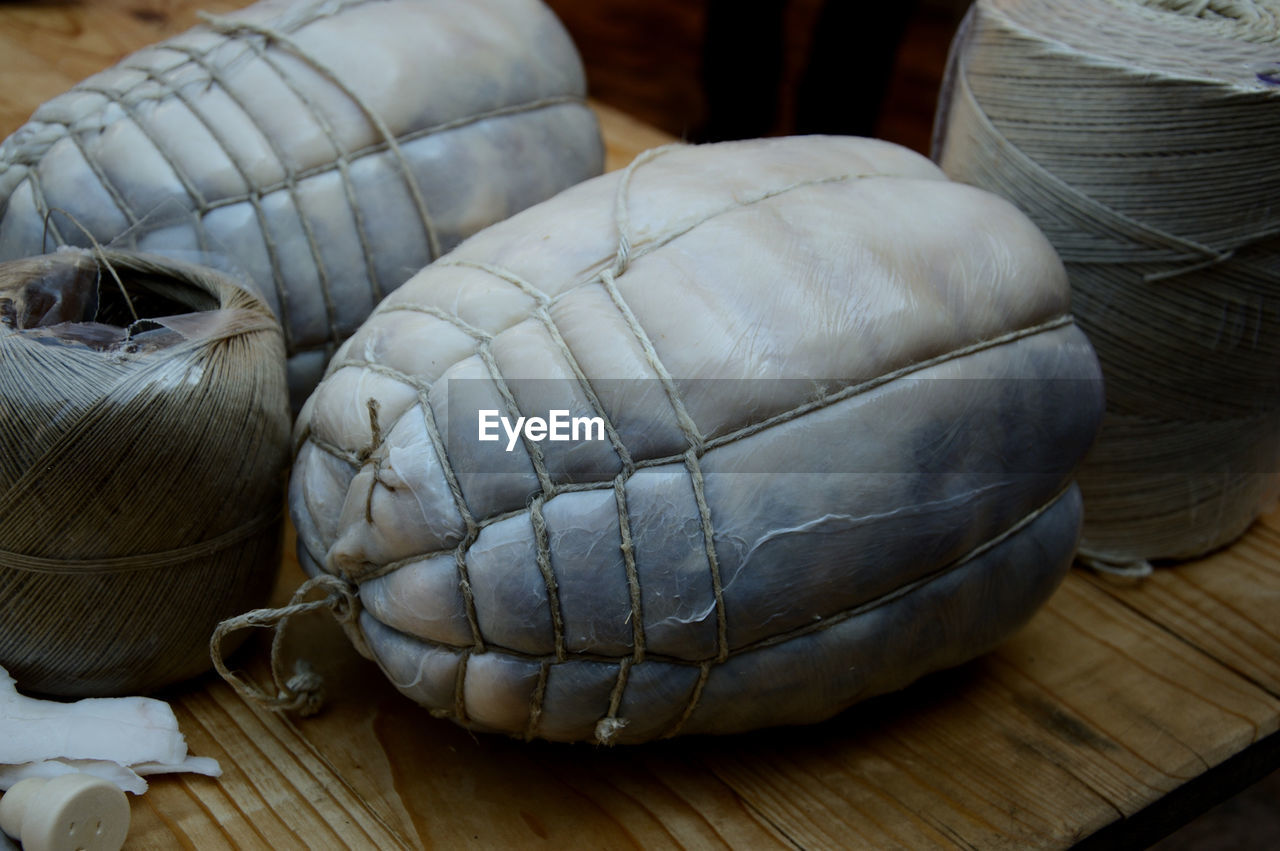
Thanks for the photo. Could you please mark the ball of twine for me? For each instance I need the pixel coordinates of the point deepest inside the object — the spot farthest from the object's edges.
(1139, 136)
(143, 442)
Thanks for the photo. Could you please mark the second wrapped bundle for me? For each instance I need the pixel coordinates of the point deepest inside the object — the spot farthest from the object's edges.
(331, 147)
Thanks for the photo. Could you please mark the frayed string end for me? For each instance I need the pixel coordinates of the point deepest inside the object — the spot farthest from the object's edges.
(607, 729)
(303, 690)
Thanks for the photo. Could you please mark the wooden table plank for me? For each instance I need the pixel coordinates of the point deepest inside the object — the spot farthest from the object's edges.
(406, 769)
(624, 136)
(1057, 734)
(1106, 703)
(46, 47)
(1086, 715)
(1202, 603)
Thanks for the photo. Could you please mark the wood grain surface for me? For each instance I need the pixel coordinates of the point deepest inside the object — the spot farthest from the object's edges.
(1111, 698)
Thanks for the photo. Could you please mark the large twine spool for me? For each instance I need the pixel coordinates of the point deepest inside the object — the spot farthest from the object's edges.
(1140, 137)
(141, 467)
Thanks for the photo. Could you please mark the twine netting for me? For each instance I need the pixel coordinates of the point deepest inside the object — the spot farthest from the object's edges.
(331, 147)
(1139, 137)
(143, 440)
(622, 653)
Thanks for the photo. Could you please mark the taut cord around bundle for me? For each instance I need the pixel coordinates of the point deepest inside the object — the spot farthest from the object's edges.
(303, 690)
(621, 213)
(231, 26)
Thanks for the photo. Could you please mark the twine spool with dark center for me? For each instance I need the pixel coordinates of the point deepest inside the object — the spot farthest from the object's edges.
(1140, 137)
(143, 442)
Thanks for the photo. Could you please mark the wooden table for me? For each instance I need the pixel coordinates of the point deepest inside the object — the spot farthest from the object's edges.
(1118, 712)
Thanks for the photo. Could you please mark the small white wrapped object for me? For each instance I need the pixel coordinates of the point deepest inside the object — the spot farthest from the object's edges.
(120, 739)
(330, 147)
(840, 404)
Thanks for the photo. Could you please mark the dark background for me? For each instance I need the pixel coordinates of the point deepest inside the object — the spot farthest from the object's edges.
(707, 70)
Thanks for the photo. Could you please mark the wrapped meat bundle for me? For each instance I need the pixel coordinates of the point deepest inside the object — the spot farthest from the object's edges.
(330, 147)
(800, 421)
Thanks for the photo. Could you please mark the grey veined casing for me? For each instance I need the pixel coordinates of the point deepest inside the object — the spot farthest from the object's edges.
(327, 148)
(841, 399)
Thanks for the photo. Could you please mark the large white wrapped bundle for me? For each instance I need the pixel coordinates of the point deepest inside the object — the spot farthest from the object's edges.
(330, 148)
(840, 402)
(1138, 135)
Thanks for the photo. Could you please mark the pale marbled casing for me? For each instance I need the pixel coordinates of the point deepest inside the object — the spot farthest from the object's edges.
(322, 161)
(885, 401)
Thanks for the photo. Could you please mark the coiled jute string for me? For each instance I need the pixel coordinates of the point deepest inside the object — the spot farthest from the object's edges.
(143, 443)
(1140, 137)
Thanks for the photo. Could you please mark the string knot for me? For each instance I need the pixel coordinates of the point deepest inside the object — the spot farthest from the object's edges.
(607, 729)
(622, 216)
(303, 691)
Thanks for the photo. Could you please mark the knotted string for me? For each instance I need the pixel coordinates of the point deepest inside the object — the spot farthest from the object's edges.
(301, 691)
